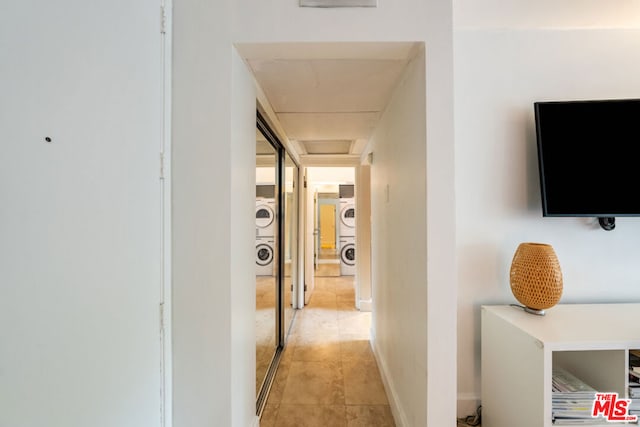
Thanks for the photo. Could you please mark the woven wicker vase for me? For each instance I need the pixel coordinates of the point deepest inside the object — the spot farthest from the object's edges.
(536, 278)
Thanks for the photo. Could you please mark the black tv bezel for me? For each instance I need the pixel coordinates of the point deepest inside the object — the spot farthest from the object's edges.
(541, 174)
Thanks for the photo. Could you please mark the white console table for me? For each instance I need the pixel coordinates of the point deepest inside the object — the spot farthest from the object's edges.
(519, 350)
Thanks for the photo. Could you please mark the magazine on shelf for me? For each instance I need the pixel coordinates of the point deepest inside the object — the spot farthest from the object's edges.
(565, 384)
(572, 399)
(634, 360)
(579, 422)
(634, 382)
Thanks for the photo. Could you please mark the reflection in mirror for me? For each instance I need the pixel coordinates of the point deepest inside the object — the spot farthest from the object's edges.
(266, 256)
(276, 254)
(290, 237)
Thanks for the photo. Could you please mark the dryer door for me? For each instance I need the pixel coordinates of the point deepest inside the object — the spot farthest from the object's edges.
(347, 219)
(264, 215)
(348, 215)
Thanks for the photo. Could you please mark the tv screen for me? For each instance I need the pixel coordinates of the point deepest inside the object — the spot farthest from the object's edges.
(589, 157)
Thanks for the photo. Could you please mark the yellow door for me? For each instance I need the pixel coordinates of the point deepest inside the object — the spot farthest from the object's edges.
(328, 226)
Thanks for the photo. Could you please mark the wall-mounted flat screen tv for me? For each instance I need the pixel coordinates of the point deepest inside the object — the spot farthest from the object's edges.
(589, 157)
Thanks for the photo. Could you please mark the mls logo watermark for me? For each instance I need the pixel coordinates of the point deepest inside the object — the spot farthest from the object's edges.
(611, 408)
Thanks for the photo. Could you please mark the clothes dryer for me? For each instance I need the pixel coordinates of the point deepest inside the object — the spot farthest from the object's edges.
(265, 217)
(347, 256)
(347, 217)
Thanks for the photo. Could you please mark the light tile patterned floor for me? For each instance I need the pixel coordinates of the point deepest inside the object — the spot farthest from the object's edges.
(328, 376)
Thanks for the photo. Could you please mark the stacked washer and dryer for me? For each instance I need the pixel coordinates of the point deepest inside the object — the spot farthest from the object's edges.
(347, 232)
(265, 236)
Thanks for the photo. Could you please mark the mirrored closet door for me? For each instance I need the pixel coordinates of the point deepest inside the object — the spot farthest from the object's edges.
(267, 229)
(276, 253)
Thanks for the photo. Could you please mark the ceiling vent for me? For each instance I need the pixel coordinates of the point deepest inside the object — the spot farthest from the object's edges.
(327, 147)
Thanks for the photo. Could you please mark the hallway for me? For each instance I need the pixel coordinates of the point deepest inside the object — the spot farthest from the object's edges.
(328, 374)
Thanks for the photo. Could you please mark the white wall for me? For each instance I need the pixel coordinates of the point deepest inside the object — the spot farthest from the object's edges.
(284, 21)
(214, 175)
(330, 175)
(499, 74)
(265, 175)
(363, 238)
(201, 184)
(242, 248)
(80, 217)
(399, 259)
(542, 14)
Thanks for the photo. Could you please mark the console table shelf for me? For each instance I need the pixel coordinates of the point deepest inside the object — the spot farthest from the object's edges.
(519, 350)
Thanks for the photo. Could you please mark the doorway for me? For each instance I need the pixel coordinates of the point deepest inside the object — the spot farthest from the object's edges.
(327, 226)
(326, 245)
(333, 219)
(342, 118)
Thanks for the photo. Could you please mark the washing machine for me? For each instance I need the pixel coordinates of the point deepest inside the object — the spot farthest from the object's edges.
(265, 256)
(347, 256)
(347, 217)
(265, 217)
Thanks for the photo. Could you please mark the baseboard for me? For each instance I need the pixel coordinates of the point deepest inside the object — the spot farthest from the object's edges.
(256, 422)
(366, 305)
(467, 404)
(394, 402)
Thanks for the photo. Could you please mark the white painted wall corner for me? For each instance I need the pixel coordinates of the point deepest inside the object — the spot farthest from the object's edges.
(467, 404)
(394, 402)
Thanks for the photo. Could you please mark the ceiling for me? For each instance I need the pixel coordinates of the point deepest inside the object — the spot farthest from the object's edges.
(327, 97)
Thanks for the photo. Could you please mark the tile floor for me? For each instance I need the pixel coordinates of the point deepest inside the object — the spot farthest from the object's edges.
(328, 270)
(328, 376)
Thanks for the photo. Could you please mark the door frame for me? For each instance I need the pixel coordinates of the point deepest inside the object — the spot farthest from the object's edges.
(165, 300)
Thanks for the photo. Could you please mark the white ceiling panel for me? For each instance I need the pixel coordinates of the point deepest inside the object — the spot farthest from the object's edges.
(343, 85)
(328, 126)
(328, 147)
